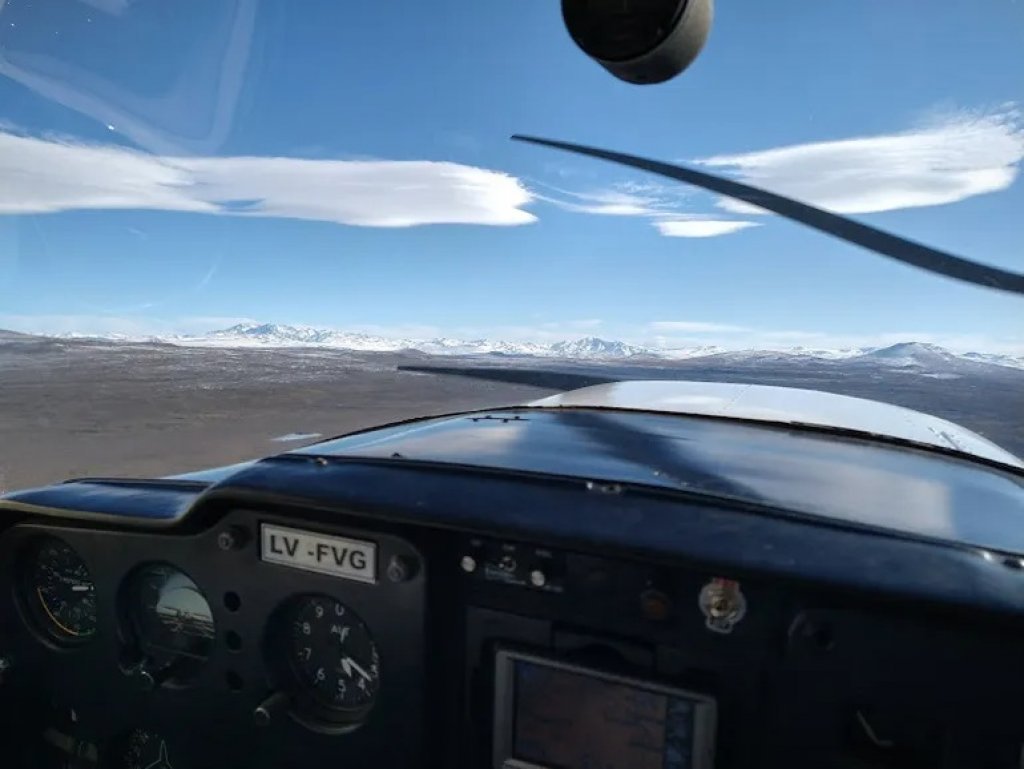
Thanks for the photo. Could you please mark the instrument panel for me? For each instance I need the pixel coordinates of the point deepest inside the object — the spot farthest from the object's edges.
(197, 650)
(285, 637)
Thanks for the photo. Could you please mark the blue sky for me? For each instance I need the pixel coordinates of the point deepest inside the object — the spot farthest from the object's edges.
(176, 169)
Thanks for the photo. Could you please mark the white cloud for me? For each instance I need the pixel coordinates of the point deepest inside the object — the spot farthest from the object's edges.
(694, 327)
(700, 228)
(616, 201)
(40, 175)
(656, 202)
(943, 162)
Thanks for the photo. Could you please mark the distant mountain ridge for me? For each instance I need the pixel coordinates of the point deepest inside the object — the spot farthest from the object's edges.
(912, 356)
(279, 335)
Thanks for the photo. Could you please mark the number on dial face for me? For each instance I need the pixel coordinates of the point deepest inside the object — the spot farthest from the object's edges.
(334, 655)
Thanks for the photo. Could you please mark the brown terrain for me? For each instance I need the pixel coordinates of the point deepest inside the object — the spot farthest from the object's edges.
(71, 408)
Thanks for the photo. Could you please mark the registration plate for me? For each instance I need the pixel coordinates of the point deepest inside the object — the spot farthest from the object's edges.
(336, 556)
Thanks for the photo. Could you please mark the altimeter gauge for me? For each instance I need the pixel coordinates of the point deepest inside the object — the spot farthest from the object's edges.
(331, 657)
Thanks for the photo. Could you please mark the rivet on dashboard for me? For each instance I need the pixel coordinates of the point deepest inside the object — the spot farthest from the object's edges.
(604, 488)
(320, 461)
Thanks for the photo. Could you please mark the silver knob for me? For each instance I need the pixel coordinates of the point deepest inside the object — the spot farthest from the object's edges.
(468, 564)
(265, 711)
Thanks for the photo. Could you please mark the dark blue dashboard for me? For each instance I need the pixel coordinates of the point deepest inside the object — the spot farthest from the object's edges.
(852, 556)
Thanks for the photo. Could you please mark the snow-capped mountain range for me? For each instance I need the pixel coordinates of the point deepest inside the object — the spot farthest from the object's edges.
(910, 355)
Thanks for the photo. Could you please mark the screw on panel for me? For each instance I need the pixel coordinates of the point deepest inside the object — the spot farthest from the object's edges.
(232, 538)
(604, 488)
(401, 568)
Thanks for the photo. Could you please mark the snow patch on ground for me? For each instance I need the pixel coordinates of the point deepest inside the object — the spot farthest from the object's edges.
(290, 437)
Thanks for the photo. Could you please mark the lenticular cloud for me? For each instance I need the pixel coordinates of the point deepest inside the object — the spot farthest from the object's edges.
(39, 175)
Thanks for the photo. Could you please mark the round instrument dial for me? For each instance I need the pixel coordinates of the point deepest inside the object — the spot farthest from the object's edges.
(170, 612)
(333, 656)
(170, 623)
(59, 591)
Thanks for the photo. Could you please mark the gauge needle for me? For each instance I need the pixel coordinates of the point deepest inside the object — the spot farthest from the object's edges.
(348, 665)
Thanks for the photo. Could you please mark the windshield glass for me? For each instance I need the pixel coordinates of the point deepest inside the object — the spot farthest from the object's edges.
(231, 228)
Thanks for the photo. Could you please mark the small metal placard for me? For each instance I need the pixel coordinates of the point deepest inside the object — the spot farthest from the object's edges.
(336, 556)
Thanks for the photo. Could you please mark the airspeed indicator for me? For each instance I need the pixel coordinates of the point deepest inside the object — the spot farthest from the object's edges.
(59, 591)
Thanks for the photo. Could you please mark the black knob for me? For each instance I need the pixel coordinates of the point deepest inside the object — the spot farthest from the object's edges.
(149, 679)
